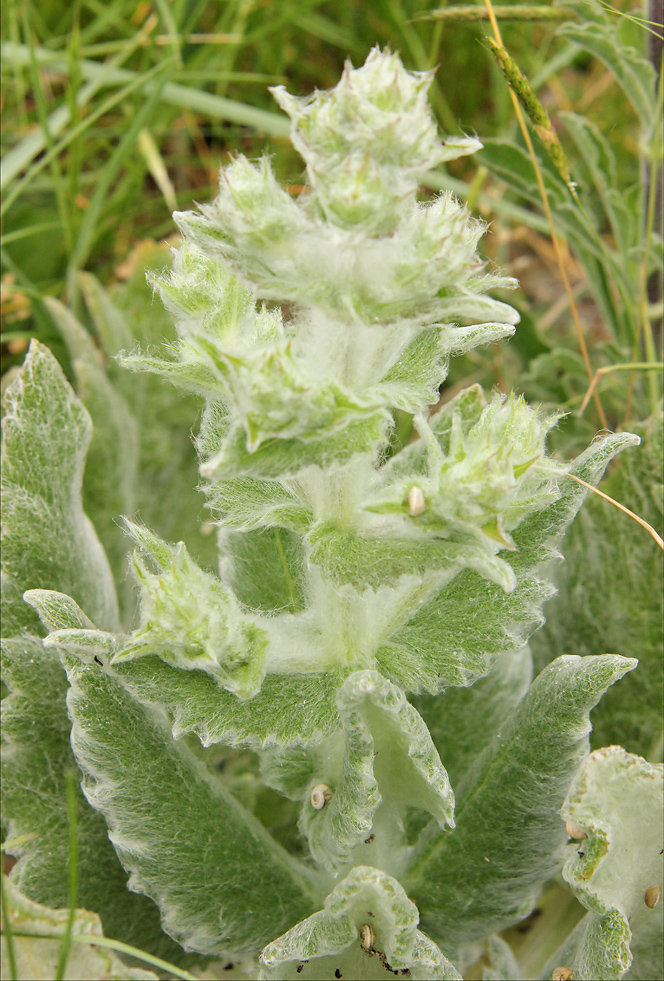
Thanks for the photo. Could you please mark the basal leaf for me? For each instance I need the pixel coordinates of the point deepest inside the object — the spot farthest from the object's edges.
(616, 870)
(503, 964)
(110, 476)
(509, 839)
(164, 494)
(37, 956)
(48, 542)
(36, 757)
(610, 596)
(111, 325)
(368, 924)
(210, 866)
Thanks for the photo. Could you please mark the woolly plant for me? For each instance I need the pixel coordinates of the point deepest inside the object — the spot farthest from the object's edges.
(328, 754)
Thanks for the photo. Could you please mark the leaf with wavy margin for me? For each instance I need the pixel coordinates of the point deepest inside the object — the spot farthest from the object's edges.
(330, 943)
(615, 871)
(48, 542)
(208, 863)
(509, 839)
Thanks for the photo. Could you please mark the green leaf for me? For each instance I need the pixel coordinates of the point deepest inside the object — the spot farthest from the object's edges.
(512, 164)
(368, 904)
(429, 271)
(164, 492)
(210, 866)
(414, 379)
(509, 838)
(599, 163)
(412, 459)
(503, 964)
(346, 557)
(635, 75)
(616, 802)
(197, 378)
(206, 298)
(289, 708)
(247, 504)
(362, 432)
(605, 269)
(265, 568)
(471, 498)
(610, 596)
(453, 639)
(382, 735)
(57, 611)
(111, 326)
(451, 717)
(36, 757)
(48, 542)
(109, 480)
(37, 956)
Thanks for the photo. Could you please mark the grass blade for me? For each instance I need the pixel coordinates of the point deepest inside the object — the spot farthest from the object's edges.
(20, 156)
(177, 95)
(73, 876)
(113, 165)
(72, 134)
(8, 932)
(42, 113)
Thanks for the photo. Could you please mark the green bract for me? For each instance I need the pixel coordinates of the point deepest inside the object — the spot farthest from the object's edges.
(316, 739)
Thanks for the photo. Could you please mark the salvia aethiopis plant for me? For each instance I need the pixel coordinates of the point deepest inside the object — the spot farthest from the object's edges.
(326, 757)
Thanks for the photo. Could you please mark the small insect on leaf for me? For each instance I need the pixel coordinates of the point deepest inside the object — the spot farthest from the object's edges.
(651, 897)
(98, 661)
(561, 974)
(367, 937)
(416, 503)
(320, 795)
(367, 841)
